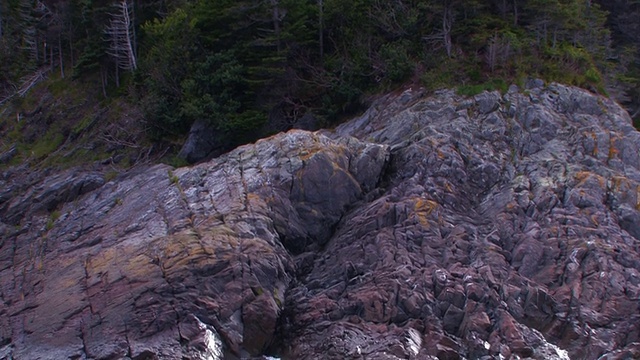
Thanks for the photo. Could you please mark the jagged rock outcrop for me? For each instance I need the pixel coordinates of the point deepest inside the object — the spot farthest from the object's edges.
(441, 227)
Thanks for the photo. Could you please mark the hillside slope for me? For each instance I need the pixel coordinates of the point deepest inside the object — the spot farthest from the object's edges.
(429, 227)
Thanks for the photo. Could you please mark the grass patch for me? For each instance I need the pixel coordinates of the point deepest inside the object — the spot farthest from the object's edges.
(110, 175)
(15, 134)
(48, 144)
(441, 75)
(55, 215)
(174, 161)
(82, 125)
(173, 179)
(58, 86)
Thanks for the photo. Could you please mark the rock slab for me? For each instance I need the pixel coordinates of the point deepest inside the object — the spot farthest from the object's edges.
(440, 227)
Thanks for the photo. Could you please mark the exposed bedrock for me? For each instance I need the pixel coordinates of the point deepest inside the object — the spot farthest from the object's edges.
(441, 227)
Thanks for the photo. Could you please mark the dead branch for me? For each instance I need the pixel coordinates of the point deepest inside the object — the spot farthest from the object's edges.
(32, 80)
(27, 83)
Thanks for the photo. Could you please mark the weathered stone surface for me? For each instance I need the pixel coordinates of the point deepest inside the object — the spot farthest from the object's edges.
(49, 193)
(169, 263)
(499, 226)
(504, 214)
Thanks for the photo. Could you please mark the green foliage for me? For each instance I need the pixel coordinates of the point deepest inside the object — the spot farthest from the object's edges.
(253, 67)
(214, 89)
(230, 77)
(82, 125)
(59, 124)
(173, 179)
(257, 291)
(174, 161)
(47, 144)
(493, 84)
(592, 76)
(89, 18)
(55, 215)
(398, 65)
(110, 175)
(165, 65)
(89, 60)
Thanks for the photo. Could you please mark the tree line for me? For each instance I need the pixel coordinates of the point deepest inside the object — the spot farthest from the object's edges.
(253, 67)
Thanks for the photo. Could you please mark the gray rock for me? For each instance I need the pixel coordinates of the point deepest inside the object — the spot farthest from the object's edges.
(51, 192)
(428, 228)
(487, 101)
(174, 244)
(534, 84)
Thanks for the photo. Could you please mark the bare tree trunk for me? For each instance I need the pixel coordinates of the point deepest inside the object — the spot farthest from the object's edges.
(447, 24)
(103, 80)
(129, 34)
(71, 44)
(60, 57)
(515, 13)
(321, 27)
(30, 81)
(503, 9)
(276, 22)
(28, 31)
(121, 35)
(134, 36)
(36, 50)
(492, 52)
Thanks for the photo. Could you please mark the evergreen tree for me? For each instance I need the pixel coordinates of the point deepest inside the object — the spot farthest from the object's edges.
(241, 64)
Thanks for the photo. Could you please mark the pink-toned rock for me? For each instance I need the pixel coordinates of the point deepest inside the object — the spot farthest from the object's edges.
(454, 228)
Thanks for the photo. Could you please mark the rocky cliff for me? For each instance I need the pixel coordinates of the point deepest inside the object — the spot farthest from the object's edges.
(441, 227)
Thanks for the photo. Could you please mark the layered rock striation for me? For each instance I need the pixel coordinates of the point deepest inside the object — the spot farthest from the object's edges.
(441, 227)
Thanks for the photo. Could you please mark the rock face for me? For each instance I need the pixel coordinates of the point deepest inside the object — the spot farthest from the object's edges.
(499, 226)
(203, 142)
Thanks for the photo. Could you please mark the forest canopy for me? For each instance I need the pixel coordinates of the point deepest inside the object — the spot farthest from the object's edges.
(249, 68)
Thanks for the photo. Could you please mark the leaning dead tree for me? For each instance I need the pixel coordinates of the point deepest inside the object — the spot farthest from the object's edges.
(31, 80)
(26, 83)
(121, 36)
